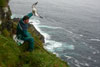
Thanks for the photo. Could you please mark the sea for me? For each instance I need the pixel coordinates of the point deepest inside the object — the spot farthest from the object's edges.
(71, 28)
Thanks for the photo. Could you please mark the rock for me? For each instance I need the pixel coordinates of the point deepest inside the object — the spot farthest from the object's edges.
(5, 17)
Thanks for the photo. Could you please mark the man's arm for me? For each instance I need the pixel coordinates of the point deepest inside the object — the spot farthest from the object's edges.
(30, 15)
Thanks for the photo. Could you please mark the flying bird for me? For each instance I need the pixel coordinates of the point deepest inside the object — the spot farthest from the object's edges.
(34, 10)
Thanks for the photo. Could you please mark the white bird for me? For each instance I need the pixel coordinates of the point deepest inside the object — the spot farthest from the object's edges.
(34, 10)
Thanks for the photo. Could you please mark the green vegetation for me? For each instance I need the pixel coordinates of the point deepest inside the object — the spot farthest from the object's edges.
(3, 3)
(12, 55)
(6, 33)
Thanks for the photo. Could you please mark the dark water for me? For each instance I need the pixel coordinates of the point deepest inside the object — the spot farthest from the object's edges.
(71, 28)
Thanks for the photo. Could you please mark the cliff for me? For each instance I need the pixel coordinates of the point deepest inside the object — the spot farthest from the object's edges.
(5, 18)
(12, 55)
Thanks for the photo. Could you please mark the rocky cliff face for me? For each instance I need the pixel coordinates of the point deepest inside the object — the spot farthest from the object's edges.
(5, 17)
(33, 29)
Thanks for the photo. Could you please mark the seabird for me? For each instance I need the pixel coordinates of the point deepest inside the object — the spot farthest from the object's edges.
(34, 10)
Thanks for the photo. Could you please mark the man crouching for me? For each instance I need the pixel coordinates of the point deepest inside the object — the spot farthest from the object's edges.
(22, 28)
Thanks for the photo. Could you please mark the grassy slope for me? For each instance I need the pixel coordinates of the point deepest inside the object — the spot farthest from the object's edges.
(12, 55)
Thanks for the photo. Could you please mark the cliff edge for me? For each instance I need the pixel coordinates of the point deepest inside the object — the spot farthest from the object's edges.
(12, 55)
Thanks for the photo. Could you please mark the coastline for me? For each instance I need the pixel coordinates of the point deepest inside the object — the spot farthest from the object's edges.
(12, 55)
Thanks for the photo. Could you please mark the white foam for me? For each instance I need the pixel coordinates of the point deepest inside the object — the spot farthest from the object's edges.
(81, 35)
(95, 39)
(68, 31)
(68, 57)
(73, 40)
(77, 65)
(56, 54)
(85, 43)
(91, 47)
(76, 61)
(51, 45)
(70, 47)
(86, 64)
(89, 58)
(34, 21)
(94, 52)
(95, 61)
(46, 36)
(44, 26)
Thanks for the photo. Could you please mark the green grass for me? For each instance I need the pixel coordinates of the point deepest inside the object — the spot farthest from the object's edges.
(12, 55)
(3, 3)
(8, 52)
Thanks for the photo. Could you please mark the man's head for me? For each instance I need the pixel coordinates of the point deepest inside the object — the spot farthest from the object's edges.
(26, 19)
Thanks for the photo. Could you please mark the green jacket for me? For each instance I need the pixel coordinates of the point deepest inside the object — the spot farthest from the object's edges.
(22, 28)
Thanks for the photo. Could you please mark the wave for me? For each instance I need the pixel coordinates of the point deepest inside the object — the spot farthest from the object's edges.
(94, 39)
(51, 45)
(44, 26)
(34, 21)
(51, 27)
(77, 62)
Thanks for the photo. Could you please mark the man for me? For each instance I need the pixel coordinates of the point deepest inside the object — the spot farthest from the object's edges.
(22, 28)
(22, 32)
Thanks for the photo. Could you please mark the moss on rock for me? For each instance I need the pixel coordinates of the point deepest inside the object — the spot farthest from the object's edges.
(3, 3)
(5, 33)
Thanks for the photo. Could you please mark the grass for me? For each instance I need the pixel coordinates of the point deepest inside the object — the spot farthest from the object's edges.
(12, 55)
(3, 3)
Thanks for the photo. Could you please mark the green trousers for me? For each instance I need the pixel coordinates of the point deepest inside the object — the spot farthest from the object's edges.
(29, 39)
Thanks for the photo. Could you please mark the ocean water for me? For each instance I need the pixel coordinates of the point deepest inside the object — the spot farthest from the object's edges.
(71, 28)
